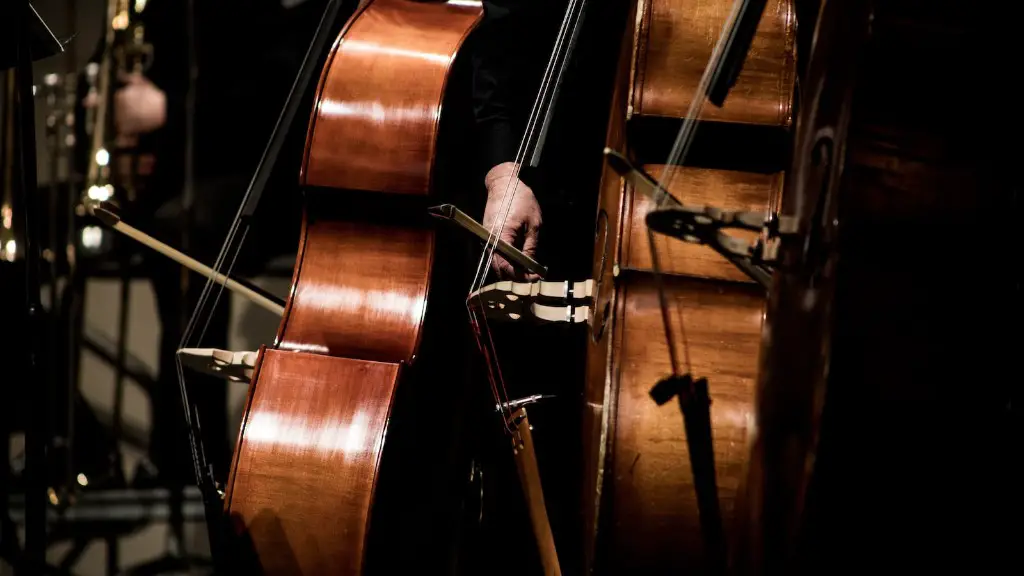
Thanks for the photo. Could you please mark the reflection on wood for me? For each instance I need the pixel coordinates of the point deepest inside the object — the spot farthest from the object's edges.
(639, 500)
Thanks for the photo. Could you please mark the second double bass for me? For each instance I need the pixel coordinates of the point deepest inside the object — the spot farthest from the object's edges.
(646, 510)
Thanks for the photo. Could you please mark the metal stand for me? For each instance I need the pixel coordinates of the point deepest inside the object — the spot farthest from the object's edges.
(108, 514)
(37, 433)
(88, 514)
(83, 515)
(11, 274)
(116, 459)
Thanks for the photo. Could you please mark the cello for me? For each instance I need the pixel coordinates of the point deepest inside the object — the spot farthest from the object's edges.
(661, 491)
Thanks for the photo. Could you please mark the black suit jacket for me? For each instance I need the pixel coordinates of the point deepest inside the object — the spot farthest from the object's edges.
(516, 38)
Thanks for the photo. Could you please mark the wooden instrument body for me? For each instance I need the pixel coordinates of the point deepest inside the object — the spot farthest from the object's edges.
(640, 513)
(305, 483)
(887, 402)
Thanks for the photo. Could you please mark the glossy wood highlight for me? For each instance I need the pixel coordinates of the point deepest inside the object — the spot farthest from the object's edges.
(375, 314)
(302, 482)
(380, 120)
(639, 500)
(309, 487)
(675, 40)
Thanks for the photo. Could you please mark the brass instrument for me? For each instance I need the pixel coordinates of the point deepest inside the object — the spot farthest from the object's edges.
(112, 172)
(10, 241)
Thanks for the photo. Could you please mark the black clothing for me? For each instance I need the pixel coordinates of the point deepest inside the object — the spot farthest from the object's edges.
(514, 43)
(517, 39)
(247, 53)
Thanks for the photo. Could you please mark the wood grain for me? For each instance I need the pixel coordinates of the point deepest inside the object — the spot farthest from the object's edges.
(303, 476)
(375, 127)
(640, 513)
(719, 328)
(675, 43)
(303, 490)
(726, 189)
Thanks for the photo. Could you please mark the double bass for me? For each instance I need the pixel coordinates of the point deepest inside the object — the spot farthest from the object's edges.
(350, 456)
(657, 499)
(351, 452)
(345, 416)
(661, 490)
(350, 380)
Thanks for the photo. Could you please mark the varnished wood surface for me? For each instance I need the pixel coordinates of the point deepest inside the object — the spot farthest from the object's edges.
(726, 189)
(533, 493)
(675, 40)
(303, 474)
(375, 127)
(639, 499)
(719, 327)
(360, 291)
(597, 415)
(303, 493)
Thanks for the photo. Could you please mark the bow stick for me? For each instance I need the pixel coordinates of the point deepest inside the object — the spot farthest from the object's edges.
(106, 214)
(542, 300)
(515, 256)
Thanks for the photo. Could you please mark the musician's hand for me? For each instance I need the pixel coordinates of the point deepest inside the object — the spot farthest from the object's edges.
(139, 106)
(522, 227)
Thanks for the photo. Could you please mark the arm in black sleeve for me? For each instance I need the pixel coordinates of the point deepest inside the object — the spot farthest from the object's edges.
(515, 41)
(493, 102)
(516, 38)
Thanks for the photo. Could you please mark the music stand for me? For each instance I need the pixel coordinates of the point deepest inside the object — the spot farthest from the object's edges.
(25, 38)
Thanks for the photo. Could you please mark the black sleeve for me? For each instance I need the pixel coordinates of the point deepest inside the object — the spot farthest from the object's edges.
(515, 40)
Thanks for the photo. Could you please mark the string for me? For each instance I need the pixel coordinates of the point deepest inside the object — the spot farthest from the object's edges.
(528, 146)
(540, 103)
(234, 240)
(239, 222)
(685, 136)
(258, 183)
(680, 149)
